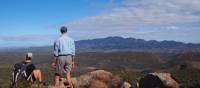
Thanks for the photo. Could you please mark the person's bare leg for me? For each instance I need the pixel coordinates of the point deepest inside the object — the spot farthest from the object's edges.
(57, 79)
(38, 75)
(68, 78)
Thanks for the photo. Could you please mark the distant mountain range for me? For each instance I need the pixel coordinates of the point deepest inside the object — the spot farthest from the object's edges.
(132, 43)
(119, 44)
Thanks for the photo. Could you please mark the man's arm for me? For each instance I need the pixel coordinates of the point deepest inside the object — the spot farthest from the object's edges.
(73, 54)
(54, 61)
(55, 55)
(73, 61)
(73, 48)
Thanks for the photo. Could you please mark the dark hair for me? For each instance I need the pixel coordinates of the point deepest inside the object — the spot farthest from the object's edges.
(63, 29)
(28, 58)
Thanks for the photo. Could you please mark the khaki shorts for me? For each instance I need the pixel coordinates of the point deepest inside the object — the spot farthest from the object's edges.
(64, 64)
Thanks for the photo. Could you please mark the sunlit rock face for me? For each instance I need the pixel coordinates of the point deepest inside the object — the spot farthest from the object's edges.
(97, 79)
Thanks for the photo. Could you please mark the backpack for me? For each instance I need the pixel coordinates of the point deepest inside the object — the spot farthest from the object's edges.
(20, 73)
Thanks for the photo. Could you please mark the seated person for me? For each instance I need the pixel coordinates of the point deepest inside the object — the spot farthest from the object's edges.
(26, 70)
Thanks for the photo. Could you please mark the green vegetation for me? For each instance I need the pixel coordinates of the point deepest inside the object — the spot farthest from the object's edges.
(130, 66)
(188, 77)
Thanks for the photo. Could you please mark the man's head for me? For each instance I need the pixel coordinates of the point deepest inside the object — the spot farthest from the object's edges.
(63, 29)
(29, 57)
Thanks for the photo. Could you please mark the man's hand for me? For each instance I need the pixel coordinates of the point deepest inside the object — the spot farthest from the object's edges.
(73, 64)
(53, 65)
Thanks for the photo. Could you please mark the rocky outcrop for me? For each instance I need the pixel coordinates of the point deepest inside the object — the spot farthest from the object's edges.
(100, 79)
(97, 79)
(158, 80)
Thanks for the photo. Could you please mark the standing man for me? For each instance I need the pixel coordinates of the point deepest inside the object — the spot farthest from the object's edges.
(64, 52)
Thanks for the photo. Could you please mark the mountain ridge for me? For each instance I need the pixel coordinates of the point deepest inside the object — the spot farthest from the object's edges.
(117, 42)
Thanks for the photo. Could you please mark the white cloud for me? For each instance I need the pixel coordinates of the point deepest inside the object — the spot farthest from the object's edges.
(135, 12)
(173, 27)
(34, 37)
(132, 14)
(26, 40)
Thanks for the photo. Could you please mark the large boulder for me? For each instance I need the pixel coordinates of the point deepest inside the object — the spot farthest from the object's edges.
(96, 79)
(100, 79)
(158, 80)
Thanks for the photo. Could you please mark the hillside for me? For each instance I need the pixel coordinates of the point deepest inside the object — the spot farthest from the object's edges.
(110, 44)
(117, 55)
(127, 64)
(132, 43)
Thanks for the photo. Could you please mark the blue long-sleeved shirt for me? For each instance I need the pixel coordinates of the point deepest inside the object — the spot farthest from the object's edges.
(64, 46)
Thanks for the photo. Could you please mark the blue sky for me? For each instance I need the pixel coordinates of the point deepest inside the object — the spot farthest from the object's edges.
(37, 22)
